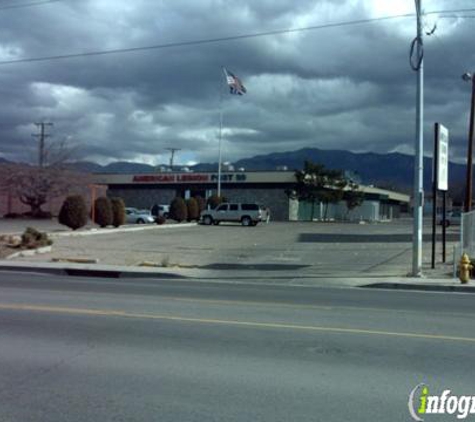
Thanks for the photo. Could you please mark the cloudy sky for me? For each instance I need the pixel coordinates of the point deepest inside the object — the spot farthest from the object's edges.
(343, 87)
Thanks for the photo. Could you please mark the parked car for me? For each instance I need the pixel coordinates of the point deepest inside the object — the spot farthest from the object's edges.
(160, 210)
(453, 218)
(136, 216)
(246, 214)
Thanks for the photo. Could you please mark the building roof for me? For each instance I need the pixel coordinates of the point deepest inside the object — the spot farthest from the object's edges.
(247, 177)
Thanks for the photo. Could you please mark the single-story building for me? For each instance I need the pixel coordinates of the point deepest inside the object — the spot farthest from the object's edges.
(267, 188)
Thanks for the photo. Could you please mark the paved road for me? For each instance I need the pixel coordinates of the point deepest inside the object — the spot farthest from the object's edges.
(78, 349)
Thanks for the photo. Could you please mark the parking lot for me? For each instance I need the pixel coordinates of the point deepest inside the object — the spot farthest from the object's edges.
(306, 249)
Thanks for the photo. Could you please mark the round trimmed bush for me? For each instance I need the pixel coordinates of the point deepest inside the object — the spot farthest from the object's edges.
(118, 212)
(73, 213)
(178, 210)
(201, 203)
(214, 201)
(193, 210)
(103, 211)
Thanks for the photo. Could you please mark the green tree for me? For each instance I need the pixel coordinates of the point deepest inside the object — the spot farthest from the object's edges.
(316, 182)
(73, 213)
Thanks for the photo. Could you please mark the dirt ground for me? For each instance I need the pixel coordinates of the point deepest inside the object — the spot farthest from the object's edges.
(6, 250)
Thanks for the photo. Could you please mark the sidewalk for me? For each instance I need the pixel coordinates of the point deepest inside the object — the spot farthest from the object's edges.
(242, 277)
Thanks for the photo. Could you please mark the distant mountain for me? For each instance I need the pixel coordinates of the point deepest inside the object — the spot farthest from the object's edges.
(385, 170)
(4, 161)
(388, 170)
(85, 166)
(127, 167)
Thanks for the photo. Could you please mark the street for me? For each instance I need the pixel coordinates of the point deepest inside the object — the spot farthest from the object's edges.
(80, 349)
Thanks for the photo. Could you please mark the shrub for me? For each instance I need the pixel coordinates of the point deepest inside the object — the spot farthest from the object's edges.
(201, 203)
(32, 239)
(103, 211)
(160, 219)
(73, 213)
(193, 211)
(178, 209)
(214, 201)
(118, 212)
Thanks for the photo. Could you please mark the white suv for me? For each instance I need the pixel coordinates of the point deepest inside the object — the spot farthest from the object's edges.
(246, 214)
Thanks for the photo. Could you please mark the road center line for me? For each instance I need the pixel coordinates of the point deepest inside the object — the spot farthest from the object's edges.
(251, 324)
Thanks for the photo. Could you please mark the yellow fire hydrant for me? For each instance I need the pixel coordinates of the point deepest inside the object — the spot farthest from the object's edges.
(464, 269)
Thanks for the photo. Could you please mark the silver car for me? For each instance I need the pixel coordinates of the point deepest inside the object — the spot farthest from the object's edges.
(136, 216)
(246, 214)
(453, 218)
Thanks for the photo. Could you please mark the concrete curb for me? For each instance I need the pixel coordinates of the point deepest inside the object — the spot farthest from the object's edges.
(426, 287)
(86, 270)
(121, 230)
(29, 252)
(113, 271)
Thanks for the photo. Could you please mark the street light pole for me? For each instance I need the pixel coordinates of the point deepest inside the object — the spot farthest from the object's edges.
(468, 186)
(172, 156)
(419, 147)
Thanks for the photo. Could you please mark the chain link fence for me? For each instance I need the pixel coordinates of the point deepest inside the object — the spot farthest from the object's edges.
(467, 234)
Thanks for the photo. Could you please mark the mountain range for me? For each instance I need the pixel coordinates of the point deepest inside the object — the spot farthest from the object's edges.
(392, 170)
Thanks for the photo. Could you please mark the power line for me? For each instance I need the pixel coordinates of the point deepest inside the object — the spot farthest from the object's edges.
(221, 39)
(203, 41)
(443, 12)
(36, 3)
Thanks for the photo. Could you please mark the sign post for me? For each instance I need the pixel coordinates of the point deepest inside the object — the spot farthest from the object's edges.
(440, 182)
(443, 177)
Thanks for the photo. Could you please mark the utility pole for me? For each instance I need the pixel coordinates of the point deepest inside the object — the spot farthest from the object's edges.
(419, 147)
(172, 150)
(470, 77)
(41, 136)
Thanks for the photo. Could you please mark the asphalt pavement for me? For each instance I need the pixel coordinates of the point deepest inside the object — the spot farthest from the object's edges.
(80, 349)
(277, 249)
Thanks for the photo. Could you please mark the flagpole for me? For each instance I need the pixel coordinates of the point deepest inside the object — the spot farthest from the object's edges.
(220, 132)
(220, 138)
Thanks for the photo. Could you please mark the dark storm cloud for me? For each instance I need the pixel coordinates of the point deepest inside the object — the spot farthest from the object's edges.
(340, 88)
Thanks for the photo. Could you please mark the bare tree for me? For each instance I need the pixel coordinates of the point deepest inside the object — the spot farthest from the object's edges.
(35, 186)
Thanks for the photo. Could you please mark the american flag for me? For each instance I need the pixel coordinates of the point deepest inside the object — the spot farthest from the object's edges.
(235, 85)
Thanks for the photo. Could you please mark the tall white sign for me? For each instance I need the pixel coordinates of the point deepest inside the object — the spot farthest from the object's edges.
(443, 158)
